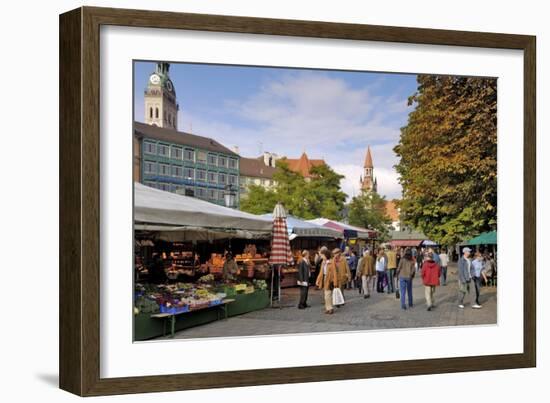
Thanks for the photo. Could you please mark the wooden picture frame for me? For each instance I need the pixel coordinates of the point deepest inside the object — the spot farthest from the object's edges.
(79, 346)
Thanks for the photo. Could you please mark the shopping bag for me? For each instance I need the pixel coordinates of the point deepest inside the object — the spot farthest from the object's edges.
(337, 297)
(397, 295)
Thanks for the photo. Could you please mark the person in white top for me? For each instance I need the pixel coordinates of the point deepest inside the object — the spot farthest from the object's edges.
(381, 263)
(444, 262)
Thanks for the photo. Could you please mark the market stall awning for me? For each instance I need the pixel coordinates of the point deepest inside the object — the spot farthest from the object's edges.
(157, 207)
(301, 228)
(487, 238)
(346, 230)
(405, 243)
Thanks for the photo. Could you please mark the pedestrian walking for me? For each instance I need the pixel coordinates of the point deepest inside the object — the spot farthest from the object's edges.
(304, 270)
(476, 270)
(352, 263)
(326, 280)
(430, 277)
(405, 273)
(317, 260)
(435, 254)
(341, 268)
(392, 267)
(465, 278)
(366, 271)
(489, 272)
(381, 262)
(419, 259)
(444, 262)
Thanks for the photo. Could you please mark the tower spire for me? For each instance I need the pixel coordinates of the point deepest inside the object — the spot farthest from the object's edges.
(368, 183)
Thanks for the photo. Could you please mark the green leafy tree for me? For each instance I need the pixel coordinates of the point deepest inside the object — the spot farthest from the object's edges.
(320, 196)
(259, 200)
(447, 151)
(368, 210)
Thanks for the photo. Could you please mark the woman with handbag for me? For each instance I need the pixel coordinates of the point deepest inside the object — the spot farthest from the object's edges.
(343, 276)
(326, 280)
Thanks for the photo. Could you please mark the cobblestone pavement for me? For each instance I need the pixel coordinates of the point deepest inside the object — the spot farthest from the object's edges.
(380, 311)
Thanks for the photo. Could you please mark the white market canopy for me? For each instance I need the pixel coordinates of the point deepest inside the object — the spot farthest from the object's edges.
(301, 228)
(192, 218)
(347, 230)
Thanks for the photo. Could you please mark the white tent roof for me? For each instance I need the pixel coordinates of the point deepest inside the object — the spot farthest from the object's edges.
(157, 207)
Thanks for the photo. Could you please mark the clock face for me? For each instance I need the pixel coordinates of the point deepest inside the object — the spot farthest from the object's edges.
(169, 85)
(155, 79)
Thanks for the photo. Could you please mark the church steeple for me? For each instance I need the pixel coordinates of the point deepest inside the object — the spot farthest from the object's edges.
(161, 108)
(368, 182)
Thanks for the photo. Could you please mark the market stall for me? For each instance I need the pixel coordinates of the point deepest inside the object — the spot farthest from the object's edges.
(305, 235)
(354, 236)
(181, 246)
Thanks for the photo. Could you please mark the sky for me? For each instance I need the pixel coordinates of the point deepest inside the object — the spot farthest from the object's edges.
(331, 115)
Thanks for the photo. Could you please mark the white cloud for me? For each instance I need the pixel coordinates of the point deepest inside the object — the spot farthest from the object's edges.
(318, 114)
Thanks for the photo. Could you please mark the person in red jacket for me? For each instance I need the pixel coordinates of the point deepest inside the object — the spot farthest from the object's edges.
(430, 277)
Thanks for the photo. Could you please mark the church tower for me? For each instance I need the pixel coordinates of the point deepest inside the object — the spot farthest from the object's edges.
(368, 181)
(161, 108)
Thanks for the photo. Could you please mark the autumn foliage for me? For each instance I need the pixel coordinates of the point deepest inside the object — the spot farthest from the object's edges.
(448, 158)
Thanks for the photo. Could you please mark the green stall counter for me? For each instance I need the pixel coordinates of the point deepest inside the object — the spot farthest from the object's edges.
(146, 327)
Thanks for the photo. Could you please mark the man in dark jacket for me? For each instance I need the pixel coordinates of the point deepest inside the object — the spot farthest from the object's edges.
(303, 279)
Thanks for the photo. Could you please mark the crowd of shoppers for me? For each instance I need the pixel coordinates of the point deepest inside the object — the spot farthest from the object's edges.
(393, 271)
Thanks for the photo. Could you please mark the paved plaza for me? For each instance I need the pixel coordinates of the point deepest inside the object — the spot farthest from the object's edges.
(380, 311)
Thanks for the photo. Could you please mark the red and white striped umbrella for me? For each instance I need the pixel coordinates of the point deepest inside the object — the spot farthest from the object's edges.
(280, 245)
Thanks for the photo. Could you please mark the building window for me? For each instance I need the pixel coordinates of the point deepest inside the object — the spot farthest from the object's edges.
(157, 112)
(177, 171)
(149, 148)
(164, 186)
(176, 189)
(151, 184)
(212, 194)
(150, 167)
(222, 162)
(189, 154)
(232, 180)
(151, 112)
(189, 192)
(233, 164)
(176, 152)
(189, 173)
(200, 192)
(201, 157)
(212, 177)
(222, 178)
(201, 175)
(163, 150)
(212, 159)
(164, 170)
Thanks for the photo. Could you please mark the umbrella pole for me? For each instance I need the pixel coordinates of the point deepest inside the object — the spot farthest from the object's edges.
(279, 285)
(271, 289)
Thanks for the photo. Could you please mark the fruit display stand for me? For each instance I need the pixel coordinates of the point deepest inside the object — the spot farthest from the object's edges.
(239, 299)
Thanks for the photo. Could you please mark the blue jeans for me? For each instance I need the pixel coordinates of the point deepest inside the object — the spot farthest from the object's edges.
(405, 284)
(380, 276)
(443, 275)
(391, 273)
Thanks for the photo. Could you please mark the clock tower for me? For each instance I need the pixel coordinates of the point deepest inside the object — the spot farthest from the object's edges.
(161, 108)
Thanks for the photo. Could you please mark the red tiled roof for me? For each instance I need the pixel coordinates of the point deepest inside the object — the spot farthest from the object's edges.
(303, 165)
